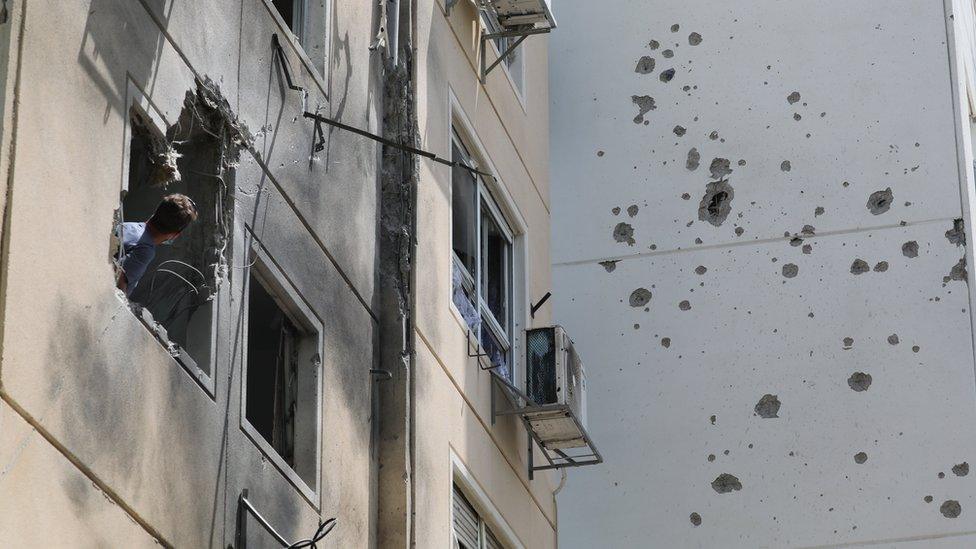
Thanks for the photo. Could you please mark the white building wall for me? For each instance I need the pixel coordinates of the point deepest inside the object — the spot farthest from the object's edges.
(881, 105)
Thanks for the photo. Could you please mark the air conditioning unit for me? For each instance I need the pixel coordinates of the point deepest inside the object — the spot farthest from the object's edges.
(556, 383)
(519, 13)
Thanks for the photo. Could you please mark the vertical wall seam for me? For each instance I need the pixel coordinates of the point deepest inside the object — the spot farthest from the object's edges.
(963, 171)
(8, 209)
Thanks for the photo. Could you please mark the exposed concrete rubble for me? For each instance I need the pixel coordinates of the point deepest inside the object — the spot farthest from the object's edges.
(961, 469)
(196, 157)
(790, 270)
(910, 249)
(860, 458)
(695, 519)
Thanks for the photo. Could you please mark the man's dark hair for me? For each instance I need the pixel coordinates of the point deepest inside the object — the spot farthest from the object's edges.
(174, 213)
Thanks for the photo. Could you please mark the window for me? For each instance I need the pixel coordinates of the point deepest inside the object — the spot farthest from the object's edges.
(293, 13)
(282, 373)
(176, 296)
(482, 262)
(470, 531)
(307, 21)
(514, 61)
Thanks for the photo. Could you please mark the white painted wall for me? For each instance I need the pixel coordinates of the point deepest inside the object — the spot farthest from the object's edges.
(879, 108)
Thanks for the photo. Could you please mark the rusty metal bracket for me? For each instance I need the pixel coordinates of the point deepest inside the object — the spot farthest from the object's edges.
(485, 37)
(540, 303)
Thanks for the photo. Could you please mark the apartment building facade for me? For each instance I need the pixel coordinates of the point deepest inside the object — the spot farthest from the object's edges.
(769, 205)
(318, 344)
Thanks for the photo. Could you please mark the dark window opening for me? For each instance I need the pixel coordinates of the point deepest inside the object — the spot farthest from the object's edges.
(282, 376)
(293, 12)
(179, 286)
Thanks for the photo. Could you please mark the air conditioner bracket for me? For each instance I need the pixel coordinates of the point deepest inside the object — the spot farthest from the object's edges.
(554, 428)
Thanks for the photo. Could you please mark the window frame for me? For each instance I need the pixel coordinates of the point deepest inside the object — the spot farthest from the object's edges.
(505, 334)
(277, 284)
(300, 42)
(136, 99)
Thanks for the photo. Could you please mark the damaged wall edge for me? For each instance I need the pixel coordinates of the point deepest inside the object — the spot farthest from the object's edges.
(397, 273)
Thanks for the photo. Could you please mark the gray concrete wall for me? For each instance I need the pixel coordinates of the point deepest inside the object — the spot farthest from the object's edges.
(91, 402)
(814, 107)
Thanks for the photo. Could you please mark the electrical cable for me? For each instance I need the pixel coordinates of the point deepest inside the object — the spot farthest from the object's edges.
(391, 143)
(322, 531)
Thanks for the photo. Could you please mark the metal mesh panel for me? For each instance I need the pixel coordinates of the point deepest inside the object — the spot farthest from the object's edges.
(540, 364)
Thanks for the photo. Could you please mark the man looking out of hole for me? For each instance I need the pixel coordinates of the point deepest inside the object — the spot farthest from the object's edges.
(139, 240)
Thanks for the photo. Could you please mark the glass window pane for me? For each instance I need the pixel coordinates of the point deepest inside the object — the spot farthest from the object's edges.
(464, 216)
(495, 268)
(463, 296)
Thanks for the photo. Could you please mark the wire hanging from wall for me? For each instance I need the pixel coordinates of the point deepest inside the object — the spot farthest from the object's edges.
(319, 119)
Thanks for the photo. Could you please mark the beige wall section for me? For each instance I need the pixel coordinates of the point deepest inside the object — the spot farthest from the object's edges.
(454, 414)
(65, 508)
